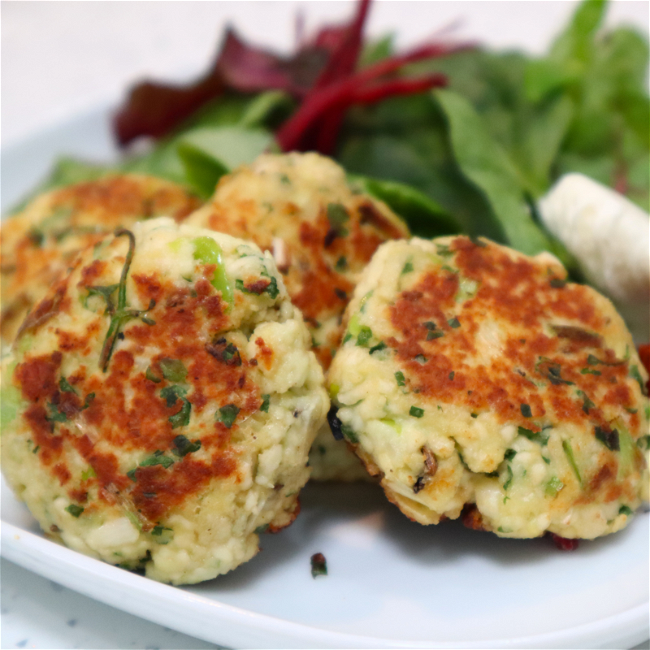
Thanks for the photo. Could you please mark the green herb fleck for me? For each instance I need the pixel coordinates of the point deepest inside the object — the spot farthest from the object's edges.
(553, 486)
(589, 371)
(337, 215)
(625, 510)
(586, 402)
(341, 264)
(365, 334)
(453, 322)
(416, 412)
(75, 510)
(408, 268)
(399, 378)
(377, 348)
(158, 458)
(54, 415)
(131, 474)
(635, 374)
(508, 481)
(568, 450)
(525, 410)
(318, 565)
(452, 374)
(158, 530)
(557, 283)
(266, 400)
(173, 369)
(208, 251)
(88, 473)
(540, 437)
(510, 454)
(609, 438)
(182, 446)
(172, 393)
(421, 359)
(65, 387)
(644, 442)
(227, 415)
(349, 433)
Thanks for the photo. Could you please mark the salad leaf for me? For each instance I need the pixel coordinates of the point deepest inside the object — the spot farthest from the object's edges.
(425, 217)
(488, 166)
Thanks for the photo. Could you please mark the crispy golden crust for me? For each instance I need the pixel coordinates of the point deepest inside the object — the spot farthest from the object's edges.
(320, 245)
(39, 243)
(471, 373)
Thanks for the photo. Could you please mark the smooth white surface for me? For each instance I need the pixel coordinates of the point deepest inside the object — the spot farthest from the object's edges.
(391, 582)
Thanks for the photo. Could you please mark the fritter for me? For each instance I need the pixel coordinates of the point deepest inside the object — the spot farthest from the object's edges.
(472, 376)
(322, 232)
(39, 242)
(160, 403)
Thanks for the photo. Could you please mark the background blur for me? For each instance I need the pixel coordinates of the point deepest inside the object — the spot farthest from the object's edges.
(60, 58)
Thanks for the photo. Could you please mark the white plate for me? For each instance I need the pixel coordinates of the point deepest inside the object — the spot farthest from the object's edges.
(391, 583)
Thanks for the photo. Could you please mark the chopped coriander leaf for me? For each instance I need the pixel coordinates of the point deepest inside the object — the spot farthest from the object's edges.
(182, 446)
(636, 375)
(508, 482)
(157, 459)
(272, 288)
(453, 322)
(364, 336)
(625, 510)
(131, 474)
(586, 402)
(149, 374)
(430, 325)
(408, 267)
(158, 530)
(35, 450)
(644, 442)
(416, 412)
(377, 348)
(592, 360)
(443, 250)
(525, 410)
(227, 415)
(609, 438)
(349, 433)
(540, 437)
(341, 264)
(74, 510)
(54, 415)
(347, 337)
(510, 454)
(172, 393)
(65, 387)
(434, 335)
(474, 415)
(182, 418)
(452, 374)
(173, 370)
(557, 283)
(399, 378)
(420, 358)
(589, 371)
(318, 565)
(88, 401)
(266, 400)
